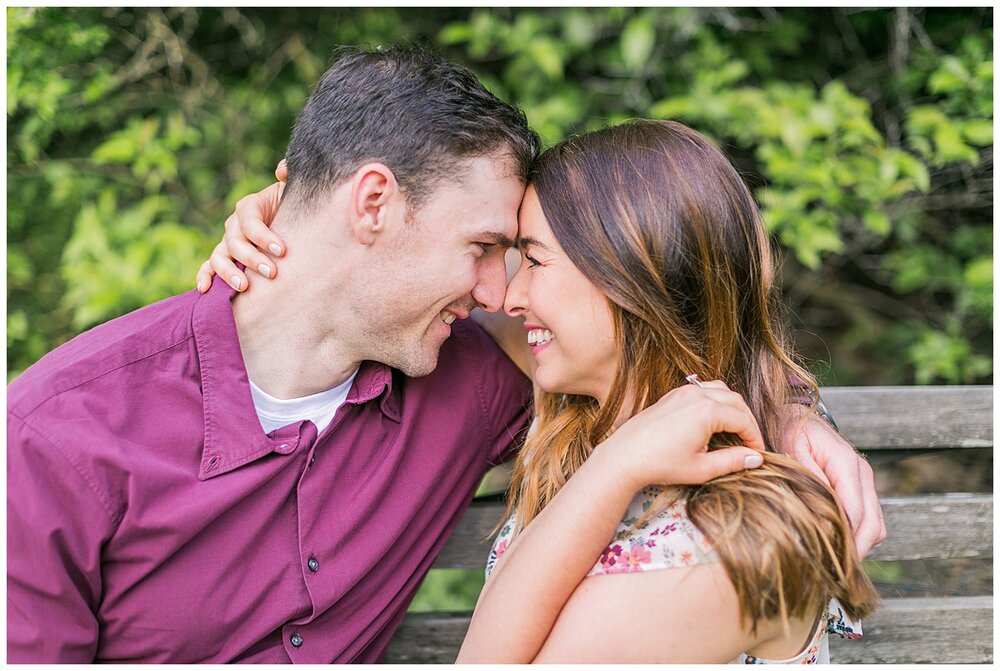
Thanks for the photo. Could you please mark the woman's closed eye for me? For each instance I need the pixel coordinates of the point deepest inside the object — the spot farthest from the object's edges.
(531, 262)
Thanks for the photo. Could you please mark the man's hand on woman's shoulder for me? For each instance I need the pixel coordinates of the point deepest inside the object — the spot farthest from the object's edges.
(823, 450)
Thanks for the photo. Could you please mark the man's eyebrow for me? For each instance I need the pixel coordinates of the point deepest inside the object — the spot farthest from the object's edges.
(527, 241)
(499, 239)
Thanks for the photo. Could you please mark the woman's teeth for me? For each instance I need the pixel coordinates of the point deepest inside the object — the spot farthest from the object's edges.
(539, 336)
(447, 317)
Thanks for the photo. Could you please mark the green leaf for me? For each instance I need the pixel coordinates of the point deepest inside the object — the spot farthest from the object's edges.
(951, 76)
(979, 273)
(978, 132)
(119, 148)
(984, 71)
(911, 166)
(97, 87)
(579, 28)
(947, 357)
(547, 55)
(922, 146)
(637, 41)
(673, 108)
(19, 268)
(978, 277)
(17, 326)
(455, 33)
(949, 146)
(731, 72)
(877, 222)
(925, 118)
(793, 134)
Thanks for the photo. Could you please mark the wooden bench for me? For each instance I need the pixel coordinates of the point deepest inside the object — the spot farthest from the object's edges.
(885, 423)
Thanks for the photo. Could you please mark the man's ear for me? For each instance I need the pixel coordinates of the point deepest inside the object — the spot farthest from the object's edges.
(374, 188)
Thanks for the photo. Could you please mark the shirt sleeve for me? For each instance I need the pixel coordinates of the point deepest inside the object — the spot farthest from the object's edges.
(505, 393)
(57, 523)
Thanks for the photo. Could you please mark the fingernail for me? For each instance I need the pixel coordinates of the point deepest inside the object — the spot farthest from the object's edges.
(201, 286)
(753, 461)
(237, 282)
(264, 269)
(275, 248)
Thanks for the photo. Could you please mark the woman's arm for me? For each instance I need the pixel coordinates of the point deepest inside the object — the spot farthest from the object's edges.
(545, 563)
(816, 445)
(665, 616)
(247, 236)
(672, 615)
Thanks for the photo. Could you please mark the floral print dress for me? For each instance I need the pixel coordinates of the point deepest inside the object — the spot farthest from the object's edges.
(668, 539)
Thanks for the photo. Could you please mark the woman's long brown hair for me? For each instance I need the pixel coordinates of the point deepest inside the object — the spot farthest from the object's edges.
(657, 218)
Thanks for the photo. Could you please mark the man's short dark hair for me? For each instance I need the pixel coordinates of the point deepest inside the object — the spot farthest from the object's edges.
(406, 107)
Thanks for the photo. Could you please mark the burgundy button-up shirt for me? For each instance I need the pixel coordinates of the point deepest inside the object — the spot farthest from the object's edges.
(150, 519)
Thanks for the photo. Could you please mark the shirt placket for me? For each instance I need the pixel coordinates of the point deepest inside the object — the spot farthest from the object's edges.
(304, 643)
(297, 442)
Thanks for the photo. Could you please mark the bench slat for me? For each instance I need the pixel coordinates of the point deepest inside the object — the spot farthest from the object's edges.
(956, 630)
(428, 638)
(937, 526)
(933, 630)
(901, 418)
(933, 526)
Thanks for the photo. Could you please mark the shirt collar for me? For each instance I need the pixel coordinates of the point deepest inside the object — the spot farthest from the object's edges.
(376, 379)
(233, 435)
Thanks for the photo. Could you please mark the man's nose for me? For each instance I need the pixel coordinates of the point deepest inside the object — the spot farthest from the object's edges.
(491, 286)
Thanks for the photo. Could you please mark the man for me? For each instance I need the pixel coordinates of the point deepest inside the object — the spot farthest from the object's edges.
(267, 477)
(149, 516)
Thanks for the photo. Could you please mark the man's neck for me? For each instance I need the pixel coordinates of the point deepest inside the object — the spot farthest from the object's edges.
(288, 347)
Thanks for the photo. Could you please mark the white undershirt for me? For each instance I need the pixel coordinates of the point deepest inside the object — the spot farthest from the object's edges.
(319, 409)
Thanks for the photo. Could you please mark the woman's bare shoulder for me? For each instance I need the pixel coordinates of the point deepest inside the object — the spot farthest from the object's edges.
(672, 615)
(650, 617)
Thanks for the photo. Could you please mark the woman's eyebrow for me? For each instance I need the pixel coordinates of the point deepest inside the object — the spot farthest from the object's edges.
(527, 241)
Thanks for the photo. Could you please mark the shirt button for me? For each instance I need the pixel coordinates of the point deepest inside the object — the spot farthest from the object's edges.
(313, 564)
(312, 461)
(296, 641)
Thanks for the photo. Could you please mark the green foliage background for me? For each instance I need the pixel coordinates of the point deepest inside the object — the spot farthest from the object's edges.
(867, 136)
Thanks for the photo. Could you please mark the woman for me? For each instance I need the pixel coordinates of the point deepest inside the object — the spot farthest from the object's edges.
(644, 261)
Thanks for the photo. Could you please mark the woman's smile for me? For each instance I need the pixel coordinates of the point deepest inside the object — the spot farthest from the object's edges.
(560, 305)
(539, 337)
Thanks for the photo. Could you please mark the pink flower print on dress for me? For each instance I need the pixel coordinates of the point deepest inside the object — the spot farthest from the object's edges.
(610, 557)
(501, 548)
(627, 562)
(635, 559)
(809, 657)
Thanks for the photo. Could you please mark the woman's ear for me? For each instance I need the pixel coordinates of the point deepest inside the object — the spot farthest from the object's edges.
(374, 188)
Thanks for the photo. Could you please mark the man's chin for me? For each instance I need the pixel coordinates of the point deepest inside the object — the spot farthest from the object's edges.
(417, 370)
(420, 363)
(416, 356)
